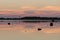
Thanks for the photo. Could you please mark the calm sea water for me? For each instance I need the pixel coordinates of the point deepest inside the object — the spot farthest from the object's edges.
(28, 31)
(28, 24)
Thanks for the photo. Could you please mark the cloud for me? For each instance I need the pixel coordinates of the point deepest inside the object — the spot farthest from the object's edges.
(34, 11)
(55, 8)
(11, 11)
(44, 11)
(28, 8)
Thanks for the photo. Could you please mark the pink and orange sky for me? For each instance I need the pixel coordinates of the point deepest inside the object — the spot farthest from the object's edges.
(33, 10)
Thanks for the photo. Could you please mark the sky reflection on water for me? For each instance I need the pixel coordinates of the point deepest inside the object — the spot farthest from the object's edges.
(28, 31)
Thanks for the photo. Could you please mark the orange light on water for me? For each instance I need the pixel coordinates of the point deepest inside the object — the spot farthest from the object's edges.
(51, 30)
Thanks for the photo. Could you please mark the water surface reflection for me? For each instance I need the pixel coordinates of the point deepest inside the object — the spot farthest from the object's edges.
(27, 27)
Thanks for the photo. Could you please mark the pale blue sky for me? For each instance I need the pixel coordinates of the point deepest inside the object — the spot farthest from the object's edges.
(16, 4)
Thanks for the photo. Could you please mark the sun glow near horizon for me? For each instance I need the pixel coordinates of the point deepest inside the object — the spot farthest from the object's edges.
(30, 8)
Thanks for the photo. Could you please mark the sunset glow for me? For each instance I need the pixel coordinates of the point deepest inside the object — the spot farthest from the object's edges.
(51, 30)
(54, 8)
(29, 19)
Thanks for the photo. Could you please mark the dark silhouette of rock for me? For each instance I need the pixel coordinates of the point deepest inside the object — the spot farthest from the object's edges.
(39, 29)
(8, 23)
(51, 24)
